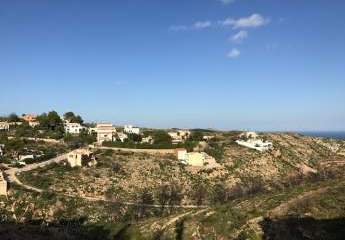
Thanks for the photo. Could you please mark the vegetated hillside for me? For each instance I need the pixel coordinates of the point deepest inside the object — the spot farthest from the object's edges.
(293, 155)
(312, 210)
(242, 194)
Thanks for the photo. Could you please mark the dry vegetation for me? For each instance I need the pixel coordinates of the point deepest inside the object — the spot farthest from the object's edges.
(242, 194)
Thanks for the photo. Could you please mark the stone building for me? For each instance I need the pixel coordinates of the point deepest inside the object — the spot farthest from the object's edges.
(81, 157)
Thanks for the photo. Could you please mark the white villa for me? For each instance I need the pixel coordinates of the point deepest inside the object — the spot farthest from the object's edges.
(105, 132)
(73, 128)
(5, 126)
(81, 157)
(34, 124)
(131, 130)
(122, 136)
(254, 142)
(179, 136)
(3, 184)
(92, 130)
(147, 139)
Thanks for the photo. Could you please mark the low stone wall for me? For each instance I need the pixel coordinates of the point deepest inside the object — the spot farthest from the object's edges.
(48, 140)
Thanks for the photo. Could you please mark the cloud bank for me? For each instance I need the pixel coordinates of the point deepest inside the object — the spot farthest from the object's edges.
(253, 21)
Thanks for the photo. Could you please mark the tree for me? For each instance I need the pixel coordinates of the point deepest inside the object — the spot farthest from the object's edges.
(52, 123)
(145, 198)
(134, 137)
(196, 136)
(220, 193)
(199, 193)
(161, 137)
(13, 118)
(71, 117)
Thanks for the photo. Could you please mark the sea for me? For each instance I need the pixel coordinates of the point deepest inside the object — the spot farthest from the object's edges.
(325, 134)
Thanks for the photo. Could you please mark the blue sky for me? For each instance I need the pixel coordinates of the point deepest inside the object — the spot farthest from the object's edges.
(240, 64)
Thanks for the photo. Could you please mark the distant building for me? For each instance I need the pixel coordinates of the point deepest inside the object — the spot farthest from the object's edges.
(207, 137)
(256, 144)
(181, 154)
(29, 117)
(4, 126)
(92, 130)
(196, 159)
(73, 128)
(34, 124)
(15, 123)
(179, 136)
(81, 157)
(122, 136)
(148, 139)
(3, 184)
(131, 130)
(105, 132)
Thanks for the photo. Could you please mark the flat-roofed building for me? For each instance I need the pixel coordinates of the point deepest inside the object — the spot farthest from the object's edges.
(4, 126)
(257, 144)
(131, 130)
(181, 154)
(34, 124)
(105, 132)
(179, 136)
(81, 157)
(148, 139)
(122, 136)
(29, 117)
(73, 128)
(196, 159)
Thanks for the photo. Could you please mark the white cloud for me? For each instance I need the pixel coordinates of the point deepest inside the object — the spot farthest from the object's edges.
(227, 1)
(238, 37)
(253, 21)
(234, 53)
(196, 26)
(201, 25)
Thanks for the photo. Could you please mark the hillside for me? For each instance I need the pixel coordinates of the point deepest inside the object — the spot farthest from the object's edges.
(297, 185)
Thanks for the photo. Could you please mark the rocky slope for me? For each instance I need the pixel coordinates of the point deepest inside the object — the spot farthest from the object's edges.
(245, 196)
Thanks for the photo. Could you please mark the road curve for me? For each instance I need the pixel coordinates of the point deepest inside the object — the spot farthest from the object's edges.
(12, 178)
(11, 173)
